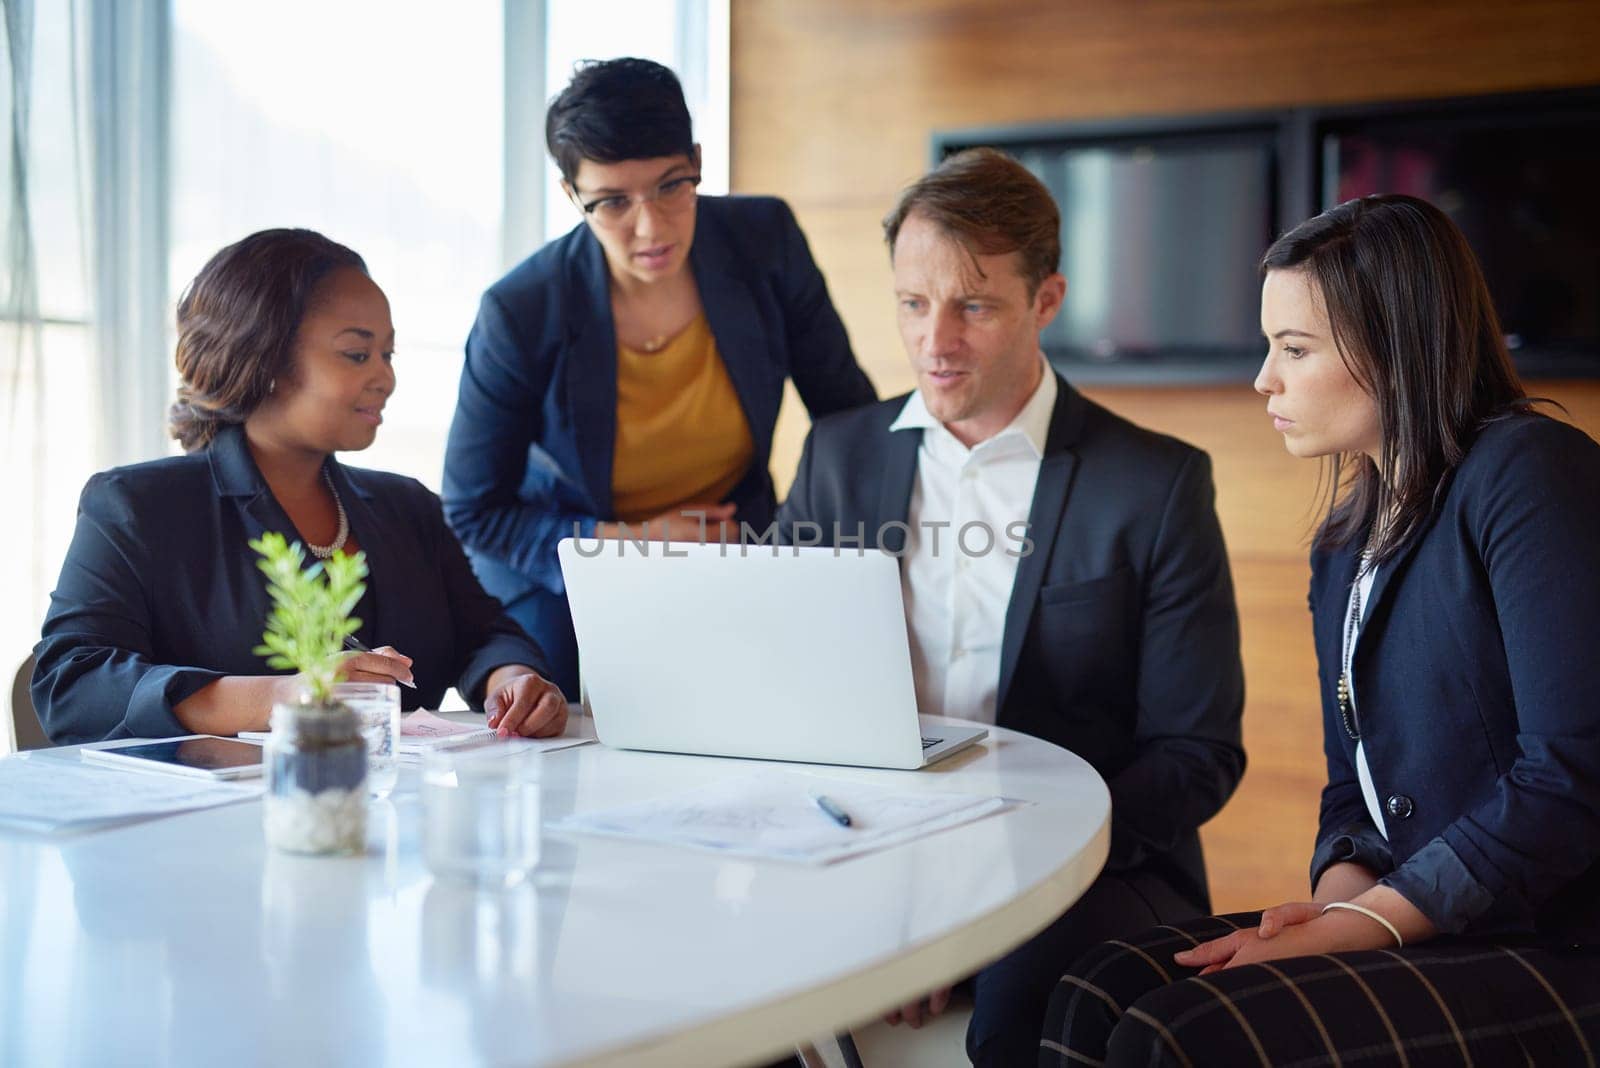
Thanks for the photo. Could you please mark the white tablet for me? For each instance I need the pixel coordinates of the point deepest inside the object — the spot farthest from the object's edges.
(204, 756)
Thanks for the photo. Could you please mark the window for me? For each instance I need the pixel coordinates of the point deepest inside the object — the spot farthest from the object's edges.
(381, 128)
(47, 401)
(385, 130)
(179, 126)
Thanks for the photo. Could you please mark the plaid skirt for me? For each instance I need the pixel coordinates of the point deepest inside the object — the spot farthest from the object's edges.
(1449, 1001)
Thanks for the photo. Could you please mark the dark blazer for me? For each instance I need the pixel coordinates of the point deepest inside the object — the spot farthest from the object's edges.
(1121, 638)
(1477, 692)
(160, 593)
(530, 449)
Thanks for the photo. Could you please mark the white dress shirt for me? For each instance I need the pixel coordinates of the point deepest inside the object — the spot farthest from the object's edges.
(957, 577)
(1369, 792)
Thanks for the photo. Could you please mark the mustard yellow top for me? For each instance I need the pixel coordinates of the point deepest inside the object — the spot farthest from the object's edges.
(682, 437)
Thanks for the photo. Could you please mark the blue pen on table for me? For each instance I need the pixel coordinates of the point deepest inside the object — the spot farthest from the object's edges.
(832, 809)
(352, 643)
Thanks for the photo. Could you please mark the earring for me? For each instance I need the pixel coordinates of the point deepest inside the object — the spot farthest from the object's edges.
(272, 386)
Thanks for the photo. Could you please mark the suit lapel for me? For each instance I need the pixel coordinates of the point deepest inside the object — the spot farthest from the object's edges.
(236, 476)
(730, 310)
(380, 553)
(591, 373)
(240, 483)
(1056, 469)
(1328, 624)
(1380, 595)
(894, 492)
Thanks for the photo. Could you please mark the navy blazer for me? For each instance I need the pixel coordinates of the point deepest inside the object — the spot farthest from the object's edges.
(1478, 698)
(160, 593)
(530, 450)
(1121, 637)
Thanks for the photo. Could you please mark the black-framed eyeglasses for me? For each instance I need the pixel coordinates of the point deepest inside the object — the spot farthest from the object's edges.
(619, 209)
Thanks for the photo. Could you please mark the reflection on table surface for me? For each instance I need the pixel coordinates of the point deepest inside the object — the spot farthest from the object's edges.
(183, 940)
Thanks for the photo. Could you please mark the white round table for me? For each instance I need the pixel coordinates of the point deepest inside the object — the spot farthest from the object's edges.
(184, 940)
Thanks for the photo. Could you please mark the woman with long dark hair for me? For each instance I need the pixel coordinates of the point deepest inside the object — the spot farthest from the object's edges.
(285, 350)
(1455, 601)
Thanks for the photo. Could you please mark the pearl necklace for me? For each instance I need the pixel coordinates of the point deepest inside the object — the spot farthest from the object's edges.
(323, 552)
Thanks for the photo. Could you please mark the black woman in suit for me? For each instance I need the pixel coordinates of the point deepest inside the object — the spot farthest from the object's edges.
(285, 350)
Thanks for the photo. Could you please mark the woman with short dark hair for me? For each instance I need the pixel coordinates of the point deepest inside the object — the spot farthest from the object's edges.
(285, 350)
(1455, 602)
(631, 371)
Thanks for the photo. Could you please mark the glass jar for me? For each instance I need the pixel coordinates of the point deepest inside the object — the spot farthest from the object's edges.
(316, 780)
(377, 707)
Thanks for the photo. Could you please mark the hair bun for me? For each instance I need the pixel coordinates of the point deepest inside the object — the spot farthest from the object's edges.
(193, 422)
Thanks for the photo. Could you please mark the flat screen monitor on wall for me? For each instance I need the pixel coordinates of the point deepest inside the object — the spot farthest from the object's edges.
(1164, 220)
(1525, 189)
(1160, 241)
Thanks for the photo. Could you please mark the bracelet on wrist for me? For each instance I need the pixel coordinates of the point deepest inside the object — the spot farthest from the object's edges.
(1351, 906)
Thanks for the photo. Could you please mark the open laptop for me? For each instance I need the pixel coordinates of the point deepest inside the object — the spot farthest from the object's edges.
(759, 651)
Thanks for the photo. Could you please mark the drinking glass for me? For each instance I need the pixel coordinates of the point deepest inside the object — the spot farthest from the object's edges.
(377, 708)
(480, 814)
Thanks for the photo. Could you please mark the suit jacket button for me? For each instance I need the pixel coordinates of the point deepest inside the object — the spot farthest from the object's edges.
(1400, 807)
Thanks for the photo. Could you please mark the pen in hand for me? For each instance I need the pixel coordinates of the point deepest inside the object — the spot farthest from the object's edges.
(833, 811)
(351, 642)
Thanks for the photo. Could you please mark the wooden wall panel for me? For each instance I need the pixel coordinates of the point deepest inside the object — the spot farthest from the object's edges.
(833, 105)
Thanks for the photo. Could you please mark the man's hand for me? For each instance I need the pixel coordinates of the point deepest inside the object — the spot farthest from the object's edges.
(925, 1008)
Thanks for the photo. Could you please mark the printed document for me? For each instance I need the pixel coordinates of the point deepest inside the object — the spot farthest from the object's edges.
(60, 794)
(777, 815)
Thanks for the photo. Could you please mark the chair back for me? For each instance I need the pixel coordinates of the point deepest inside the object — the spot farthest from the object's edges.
(24, 722)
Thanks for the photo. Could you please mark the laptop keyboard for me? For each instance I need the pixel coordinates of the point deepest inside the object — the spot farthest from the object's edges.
(929, 743)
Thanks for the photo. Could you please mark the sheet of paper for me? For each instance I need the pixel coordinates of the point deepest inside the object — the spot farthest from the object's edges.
(423, 725)
(423, 730)
(471, 735)
(773, 814)
(63, 794)
(419, 730)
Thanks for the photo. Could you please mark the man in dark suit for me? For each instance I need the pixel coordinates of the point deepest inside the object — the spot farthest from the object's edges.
(1064, 570)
